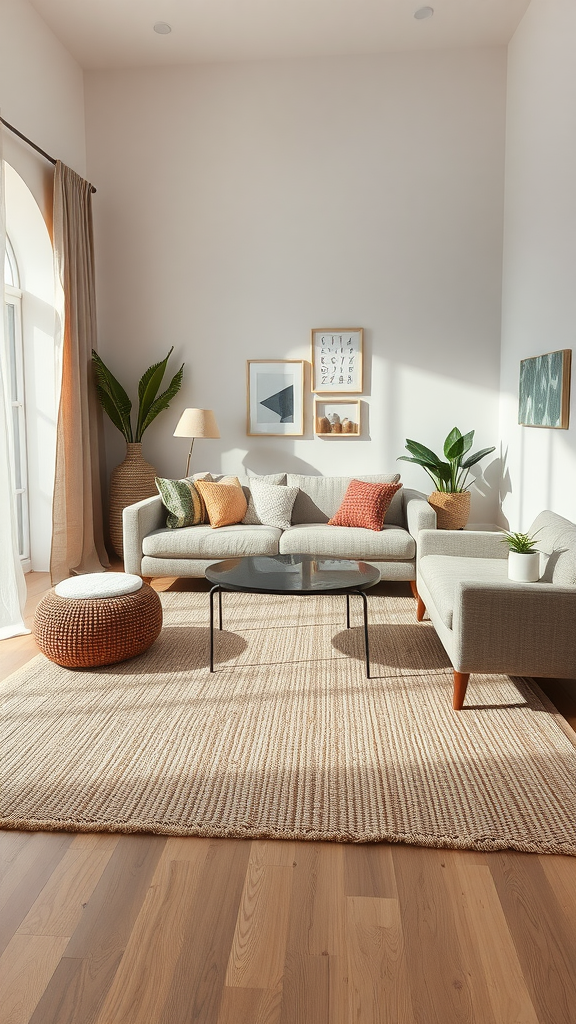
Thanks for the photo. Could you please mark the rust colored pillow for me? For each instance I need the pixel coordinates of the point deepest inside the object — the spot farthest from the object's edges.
(365, 505)
(225, 502)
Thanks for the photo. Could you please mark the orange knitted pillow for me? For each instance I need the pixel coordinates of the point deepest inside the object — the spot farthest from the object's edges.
(365, 505)
(225, 502)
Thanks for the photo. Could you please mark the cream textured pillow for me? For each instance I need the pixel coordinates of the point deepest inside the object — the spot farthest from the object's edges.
(225, 501)
(252, 518)
(273, 503)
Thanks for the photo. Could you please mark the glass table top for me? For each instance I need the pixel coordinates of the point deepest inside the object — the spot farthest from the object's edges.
(292, 574)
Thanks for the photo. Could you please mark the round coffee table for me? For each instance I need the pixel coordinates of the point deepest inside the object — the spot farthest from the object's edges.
(291, 574)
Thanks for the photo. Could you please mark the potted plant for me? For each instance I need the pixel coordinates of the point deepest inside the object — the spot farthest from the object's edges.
(523, 558)
(133, 479)
(451, 499)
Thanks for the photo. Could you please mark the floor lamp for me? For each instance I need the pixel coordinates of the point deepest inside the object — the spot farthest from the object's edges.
(195, 423)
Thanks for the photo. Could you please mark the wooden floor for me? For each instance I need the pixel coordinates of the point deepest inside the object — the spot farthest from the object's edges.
(98, 929)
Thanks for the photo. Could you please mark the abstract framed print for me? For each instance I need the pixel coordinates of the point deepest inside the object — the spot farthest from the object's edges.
(544, 391)
(275, 397)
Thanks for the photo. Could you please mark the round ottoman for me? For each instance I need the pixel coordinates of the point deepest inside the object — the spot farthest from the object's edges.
(97, 619)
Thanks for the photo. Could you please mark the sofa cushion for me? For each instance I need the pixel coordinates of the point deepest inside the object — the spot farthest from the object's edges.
(365, 505)
(204, 542)
(556, 538)
(348, 542)
(183, 501)
(270, 504)
(441, 574)
(225, 501)
(320, 497)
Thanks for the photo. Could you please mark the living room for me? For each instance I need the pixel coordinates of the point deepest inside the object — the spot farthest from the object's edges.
(257, 180)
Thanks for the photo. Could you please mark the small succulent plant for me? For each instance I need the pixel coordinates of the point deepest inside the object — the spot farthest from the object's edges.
(521, 543)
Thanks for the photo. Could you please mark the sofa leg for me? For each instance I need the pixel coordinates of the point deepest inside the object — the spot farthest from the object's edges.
(460, 685)
(414, 589)
(420, 609)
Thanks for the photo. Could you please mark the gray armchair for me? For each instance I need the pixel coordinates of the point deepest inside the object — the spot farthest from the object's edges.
(488, 623)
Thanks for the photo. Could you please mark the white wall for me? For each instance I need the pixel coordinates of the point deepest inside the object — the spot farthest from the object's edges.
(240, 205)
(41, 91)
(539, 280)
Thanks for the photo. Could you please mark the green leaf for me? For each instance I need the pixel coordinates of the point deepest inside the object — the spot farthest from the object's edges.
(473, 459)
(459, 447)
(425, 455)
(148, 389)
(452, 437)
(436, 480)
(163, 401)
(112, 397)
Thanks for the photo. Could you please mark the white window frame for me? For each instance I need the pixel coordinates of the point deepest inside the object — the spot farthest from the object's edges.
(13, 297)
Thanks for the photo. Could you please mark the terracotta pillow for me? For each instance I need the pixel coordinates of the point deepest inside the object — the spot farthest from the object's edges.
(225, 502)
(365, 505)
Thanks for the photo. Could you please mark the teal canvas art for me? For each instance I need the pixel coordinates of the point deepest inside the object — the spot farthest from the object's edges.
(544, 393)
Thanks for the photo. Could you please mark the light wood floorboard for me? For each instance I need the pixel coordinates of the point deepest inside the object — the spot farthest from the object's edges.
(100, 929)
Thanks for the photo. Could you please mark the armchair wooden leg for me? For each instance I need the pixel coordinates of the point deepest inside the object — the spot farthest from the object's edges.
(460, 685)
(414, 589)
(420, 609)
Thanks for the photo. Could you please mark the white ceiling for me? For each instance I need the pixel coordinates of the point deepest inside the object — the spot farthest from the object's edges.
(119, 33)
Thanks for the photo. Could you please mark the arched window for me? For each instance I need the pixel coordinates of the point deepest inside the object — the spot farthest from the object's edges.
(13, 321)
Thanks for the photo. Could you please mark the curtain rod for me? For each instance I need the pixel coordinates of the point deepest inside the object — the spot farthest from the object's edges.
(33, 144)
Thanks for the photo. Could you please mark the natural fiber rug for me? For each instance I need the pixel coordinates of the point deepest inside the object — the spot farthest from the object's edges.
(288, 739)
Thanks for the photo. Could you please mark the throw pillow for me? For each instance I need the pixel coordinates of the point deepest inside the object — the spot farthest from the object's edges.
(272, 503)
(182, 500)
(365, 505)
(252, 518)
(225, 501)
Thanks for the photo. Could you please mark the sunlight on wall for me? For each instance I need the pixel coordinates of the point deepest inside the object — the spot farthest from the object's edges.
(405, 402)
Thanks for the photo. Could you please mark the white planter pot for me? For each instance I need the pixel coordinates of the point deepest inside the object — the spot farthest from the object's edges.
(524, 568)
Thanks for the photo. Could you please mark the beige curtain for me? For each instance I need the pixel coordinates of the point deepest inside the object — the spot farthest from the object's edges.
(77, 531)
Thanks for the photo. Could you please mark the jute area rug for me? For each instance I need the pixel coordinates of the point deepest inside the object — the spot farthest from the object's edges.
(288, 739)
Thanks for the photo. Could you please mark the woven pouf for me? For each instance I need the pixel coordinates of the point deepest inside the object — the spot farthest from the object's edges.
(97, 619)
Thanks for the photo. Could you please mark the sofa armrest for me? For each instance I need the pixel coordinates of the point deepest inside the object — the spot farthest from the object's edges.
(419, 514)
(137, 522)
(517, 628)
(467, 543)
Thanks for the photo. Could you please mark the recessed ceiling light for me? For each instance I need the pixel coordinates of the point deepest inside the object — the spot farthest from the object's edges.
(162, 28)
(423, 12)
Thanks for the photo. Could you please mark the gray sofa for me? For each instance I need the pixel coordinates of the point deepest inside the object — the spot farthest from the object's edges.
(488, 623)
(150, 549)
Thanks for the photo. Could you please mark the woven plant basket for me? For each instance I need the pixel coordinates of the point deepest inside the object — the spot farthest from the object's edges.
(131, 481)
(86, 632)
(452, 510)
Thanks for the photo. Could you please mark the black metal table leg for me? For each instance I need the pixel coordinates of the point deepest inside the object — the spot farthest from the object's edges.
(365, 601)
(220, 608)
(347, 611)
(214, 590)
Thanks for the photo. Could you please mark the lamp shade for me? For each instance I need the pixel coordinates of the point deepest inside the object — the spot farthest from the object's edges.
(197, 423)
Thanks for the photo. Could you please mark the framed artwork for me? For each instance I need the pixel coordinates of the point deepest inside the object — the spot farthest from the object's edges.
(275, 397)
(544, 392)
(337, 360)
(337, 417)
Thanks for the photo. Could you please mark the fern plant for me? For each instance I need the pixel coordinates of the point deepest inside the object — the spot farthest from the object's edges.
(118, 406)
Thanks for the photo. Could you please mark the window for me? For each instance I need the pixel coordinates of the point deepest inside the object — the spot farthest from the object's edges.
(13, 328)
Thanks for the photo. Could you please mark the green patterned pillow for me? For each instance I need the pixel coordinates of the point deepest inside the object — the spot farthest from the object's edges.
(185, 505)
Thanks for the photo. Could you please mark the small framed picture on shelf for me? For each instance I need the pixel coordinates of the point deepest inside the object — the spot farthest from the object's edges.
(337, 360)
(337, 417)
(275, 397)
